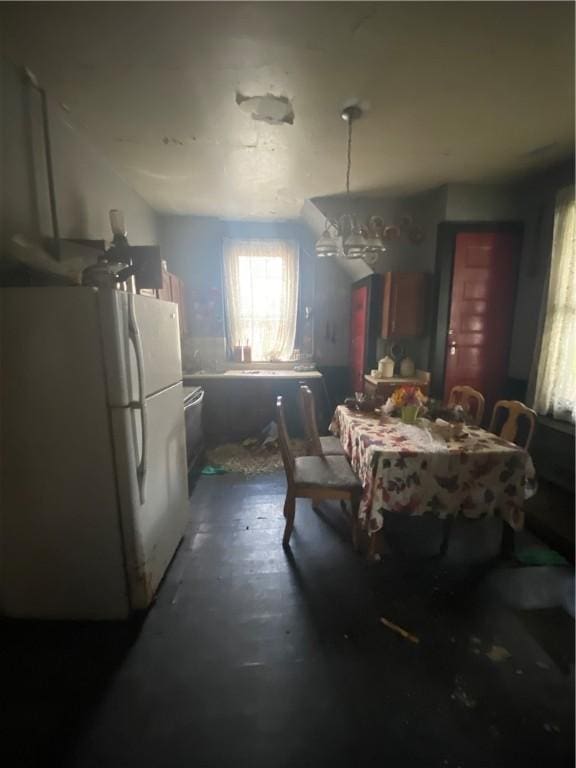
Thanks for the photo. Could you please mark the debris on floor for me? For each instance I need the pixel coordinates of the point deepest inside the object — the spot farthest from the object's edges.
(498, 653)
(475, 645)
(532, 587)
(540, 556)
(460, 695)
(542, 665)
(551, 728)
(395, 628)
(210, 469)
(252, 456)
(269, 437)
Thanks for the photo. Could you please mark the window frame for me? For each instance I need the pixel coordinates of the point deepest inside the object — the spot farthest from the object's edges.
(298, 304)
(564, 199)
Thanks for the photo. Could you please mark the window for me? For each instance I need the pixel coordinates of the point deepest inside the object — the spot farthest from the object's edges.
(556, 379)
(261, 282)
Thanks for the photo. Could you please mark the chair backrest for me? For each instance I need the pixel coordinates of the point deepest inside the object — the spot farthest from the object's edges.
(310, 424)
(509, 429)
(470, 399)
(284, 440)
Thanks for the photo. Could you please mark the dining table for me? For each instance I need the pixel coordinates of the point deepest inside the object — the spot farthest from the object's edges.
(414, 469)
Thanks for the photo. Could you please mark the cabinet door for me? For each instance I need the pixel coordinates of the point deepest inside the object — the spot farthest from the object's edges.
(404, 304)
(175, 293)
(182, 308)
(164, 293)
(175, 296)
(358, 332)
(174, 288)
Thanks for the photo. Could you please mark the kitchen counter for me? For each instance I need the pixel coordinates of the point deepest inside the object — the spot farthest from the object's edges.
(383, 387)
(241, 402)
(290, 373)
(398, 381)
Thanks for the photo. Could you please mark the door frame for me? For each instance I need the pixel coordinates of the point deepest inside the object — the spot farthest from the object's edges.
(445, 251)
(373, 284)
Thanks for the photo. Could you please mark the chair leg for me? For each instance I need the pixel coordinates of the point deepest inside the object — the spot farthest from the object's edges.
(355, 506)
(372, 545)
(446, 532)
(507, 543)
(316, 505)
(343, 507)
(289, 512)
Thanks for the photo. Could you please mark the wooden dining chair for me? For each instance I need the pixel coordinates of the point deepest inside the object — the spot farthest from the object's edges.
(315, 477)
(466, 397)
(316, 445)
(516, 411)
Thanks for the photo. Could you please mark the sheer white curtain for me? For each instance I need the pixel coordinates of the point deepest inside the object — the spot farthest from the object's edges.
(261, 287)
(555, 392)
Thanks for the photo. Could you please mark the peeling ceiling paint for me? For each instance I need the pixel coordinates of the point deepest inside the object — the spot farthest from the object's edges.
(274, 110)
(458, 92)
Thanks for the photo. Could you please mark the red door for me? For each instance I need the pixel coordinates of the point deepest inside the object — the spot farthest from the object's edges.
(481, 310)
(358, 336)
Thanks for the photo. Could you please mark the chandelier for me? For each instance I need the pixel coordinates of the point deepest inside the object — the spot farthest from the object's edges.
(346, 237)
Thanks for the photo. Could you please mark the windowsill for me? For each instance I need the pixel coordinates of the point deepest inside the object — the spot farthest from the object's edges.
(561, 426)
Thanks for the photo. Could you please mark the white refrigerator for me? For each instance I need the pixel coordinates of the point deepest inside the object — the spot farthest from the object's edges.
(93, 483)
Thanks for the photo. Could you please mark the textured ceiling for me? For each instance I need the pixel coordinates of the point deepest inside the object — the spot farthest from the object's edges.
(455, 92)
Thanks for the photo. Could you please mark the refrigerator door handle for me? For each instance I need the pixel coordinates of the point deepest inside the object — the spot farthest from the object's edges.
(134, 334)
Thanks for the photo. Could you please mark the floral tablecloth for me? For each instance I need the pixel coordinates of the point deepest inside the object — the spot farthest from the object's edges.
(412, 470)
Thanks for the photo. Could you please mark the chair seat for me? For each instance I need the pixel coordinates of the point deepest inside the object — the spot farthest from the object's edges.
(325, 471)
(331, 446)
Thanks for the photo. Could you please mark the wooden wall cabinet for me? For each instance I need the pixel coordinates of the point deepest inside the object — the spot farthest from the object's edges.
(364, 328)
(177, 295)
(404, 304)
(172, 290)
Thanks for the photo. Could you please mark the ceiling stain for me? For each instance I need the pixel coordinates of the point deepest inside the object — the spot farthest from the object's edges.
(275, 110)
(171, 140)
(162, 176)
(361, 21)
(537, 151)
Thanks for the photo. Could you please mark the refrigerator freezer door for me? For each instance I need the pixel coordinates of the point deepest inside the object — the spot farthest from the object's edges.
(152, 530)
(133, 324)
(61, 538)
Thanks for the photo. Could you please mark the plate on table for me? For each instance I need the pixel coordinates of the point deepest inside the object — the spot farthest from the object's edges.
(449, 431)
(359, 406)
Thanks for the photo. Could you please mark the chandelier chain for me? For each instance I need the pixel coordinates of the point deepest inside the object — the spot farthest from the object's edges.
(349, 158)
(344, 236)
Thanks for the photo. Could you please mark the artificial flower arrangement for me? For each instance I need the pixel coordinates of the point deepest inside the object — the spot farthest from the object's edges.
(407, 396)
(406, 400)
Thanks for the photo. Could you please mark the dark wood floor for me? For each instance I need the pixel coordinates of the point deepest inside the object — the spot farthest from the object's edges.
(253, 656)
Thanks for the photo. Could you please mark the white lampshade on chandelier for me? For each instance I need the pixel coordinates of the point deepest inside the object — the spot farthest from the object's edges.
(346, 237)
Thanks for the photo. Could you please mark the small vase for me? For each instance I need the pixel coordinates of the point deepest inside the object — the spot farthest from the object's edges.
(410, 413)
